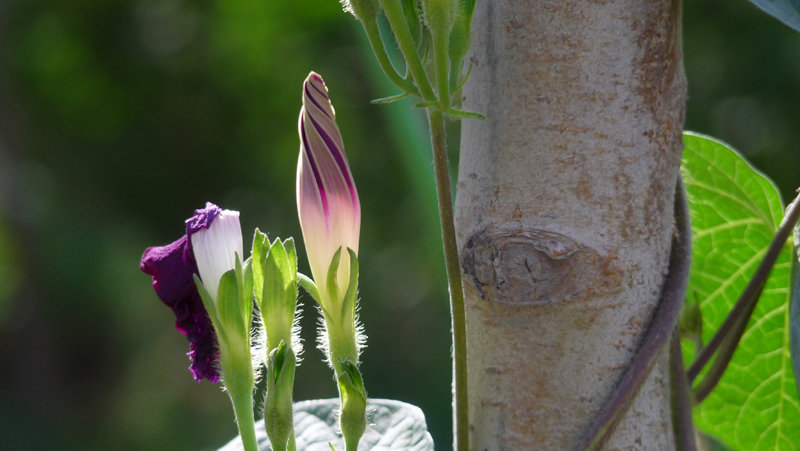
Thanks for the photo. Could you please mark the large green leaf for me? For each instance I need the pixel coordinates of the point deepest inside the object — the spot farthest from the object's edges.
(787, 11)
(735, 211)
(392, 425)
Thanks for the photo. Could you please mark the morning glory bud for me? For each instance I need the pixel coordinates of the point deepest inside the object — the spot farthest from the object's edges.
(204, 269)
(217, 244)
(327, 200)
(330, 217)
(173, 268)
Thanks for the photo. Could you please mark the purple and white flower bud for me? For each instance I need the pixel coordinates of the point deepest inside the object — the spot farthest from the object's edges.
(216, 242)
(327, 200)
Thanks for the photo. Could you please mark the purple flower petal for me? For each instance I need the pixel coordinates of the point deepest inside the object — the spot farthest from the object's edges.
(202, 218)
(172, 268)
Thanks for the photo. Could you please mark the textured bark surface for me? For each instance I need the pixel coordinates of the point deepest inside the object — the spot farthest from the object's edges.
(564, 214)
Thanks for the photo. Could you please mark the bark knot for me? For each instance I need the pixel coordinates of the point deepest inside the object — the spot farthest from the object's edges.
(514, 265)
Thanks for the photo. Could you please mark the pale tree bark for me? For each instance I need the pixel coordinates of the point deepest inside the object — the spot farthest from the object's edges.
(564, 214)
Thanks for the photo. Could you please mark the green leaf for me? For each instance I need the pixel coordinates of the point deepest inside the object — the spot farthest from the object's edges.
(390, 99)
(735, 212)
(392, 425)
(464, 114)
(787, 11)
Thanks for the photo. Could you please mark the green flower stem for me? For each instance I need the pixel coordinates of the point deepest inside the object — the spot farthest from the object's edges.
(237, 371)
(343, 352)
(393, 9)
(732, 328)
(441, 168)
(243, 407)
(341, 342)
(378, 48)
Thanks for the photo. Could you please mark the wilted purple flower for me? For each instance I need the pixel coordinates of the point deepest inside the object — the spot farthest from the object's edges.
(327, 200)
(172, 268)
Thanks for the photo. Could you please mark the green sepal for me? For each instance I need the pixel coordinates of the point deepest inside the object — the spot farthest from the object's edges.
(228, 304)
(464, 114)
(353, 419)
(245, 279)
(211, 308)
(456, 72)
(307, 283)
(278, 406)
(291, 253)
(279, 296)
(331, 284)
(411, 11)
(390, 99)
(258, 256)
(460, 41)
(349, 304)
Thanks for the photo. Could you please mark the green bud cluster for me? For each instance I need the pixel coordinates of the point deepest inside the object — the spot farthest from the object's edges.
(433, 37)
(275, 289)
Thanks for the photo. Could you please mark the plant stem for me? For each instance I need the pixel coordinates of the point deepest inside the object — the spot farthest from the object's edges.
(681, 404)
(732, 328)
(378, 48)
(725, 354)
(243, 408)
(441, 168)
(393, 10)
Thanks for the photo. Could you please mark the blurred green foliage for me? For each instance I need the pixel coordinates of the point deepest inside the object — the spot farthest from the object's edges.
(119, 118)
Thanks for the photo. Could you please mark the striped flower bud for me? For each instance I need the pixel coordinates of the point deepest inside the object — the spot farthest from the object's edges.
(327, 200)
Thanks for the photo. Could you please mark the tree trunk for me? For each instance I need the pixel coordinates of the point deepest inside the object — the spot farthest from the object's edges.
(564, 214)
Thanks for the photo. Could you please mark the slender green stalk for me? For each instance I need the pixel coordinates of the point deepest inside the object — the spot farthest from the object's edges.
(243, 408)
(378, 48)
(441, 168)
(393, 10)
(734, 325)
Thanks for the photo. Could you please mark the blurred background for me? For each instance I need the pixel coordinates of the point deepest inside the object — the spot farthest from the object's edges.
(118, 118)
